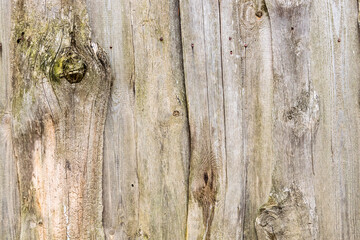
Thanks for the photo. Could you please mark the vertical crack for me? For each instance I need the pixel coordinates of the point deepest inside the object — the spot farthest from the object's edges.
(133, 80)
(188, 120)
(224, 104)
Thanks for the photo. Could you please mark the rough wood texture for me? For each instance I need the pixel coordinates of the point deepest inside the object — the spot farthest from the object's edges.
(296, 119)
(9, 198)
(335, 59)
(60, 84)
(146, 136)
(232, 119)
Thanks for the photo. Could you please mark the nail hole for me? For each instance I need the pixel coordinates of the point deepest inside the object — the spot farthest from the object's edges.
(176, 113)
(132, 185)
(110, 47)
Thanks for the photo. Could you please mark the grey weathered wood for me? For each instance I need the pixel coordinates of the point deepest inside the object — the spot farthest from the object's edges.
(248, 78)
(60, 85)
(227, 54)
(146, 138)
(233, 119)
(335, 59)
(9, 201)
(296, 119)
(204, 88)
(111, 23)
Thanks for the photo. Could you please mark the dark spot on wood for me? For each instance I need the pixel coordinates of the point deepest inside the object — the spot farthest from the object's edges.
(101, 55)
(206, 178)
(176, 113)
(206, 189)
(230, 52)
(339, 40)
(110, 47)
(192, 45)
(292, 28)
(0, 47)
(23, 33)
(230, 38)
(69, 65)
(161, 39)
(72, 36)
(67, 165)
(245, 45)
(132, 185)
(18, 40)
(264, 7)
(259, 14)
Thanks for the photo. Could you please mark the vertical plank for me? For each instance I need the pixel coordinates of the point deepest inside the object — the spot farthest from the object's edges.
(111, 24)
(9, 201)
(146, 141)
(228, 69)
(290, 212)
(161, 120)
(204, 89)
(335, 69)
(61, 84)
(247, 77)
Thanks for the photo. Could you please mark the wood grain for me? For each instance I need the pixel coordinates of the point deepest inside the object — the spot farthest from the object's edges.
(232, 119)
(9, 195)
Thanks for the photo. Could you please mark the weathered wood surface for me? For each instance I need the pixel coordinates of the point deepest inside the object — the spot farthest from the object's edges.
(60, 88)
(146, 137)
(9, 199)
(232, 119)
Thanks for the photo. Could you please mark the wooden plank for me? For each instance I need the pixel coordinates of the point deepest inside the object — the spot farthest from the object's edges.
(9, 199)
(204, 88)
(161, 120)
(227, 46)
(111, 24)
(270, 114)
(335, 71)
(61, 85)
(296, 119)
(248, 81)
(147, 143)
